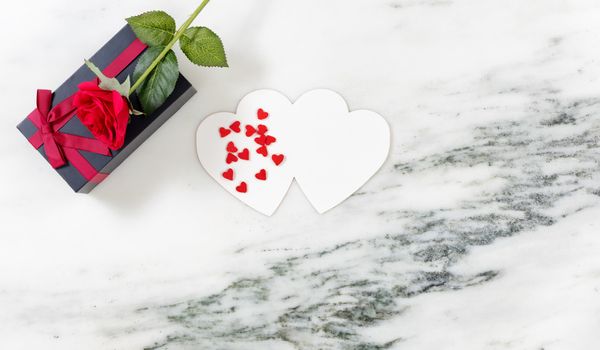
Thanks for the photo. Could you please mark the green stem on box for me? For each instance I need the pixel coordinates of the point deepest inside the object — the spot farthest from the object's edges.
(167, 48)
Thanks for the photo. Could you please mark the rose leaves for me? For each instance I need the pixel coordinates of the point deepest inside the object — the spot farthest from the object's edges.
(203, 47)
(159, 85)
(107, 83)
(153, 28)
(158, 30)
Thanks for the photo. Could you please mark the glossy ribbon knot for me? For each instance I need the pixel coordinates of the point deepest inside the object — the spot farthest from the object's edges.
(49, 121)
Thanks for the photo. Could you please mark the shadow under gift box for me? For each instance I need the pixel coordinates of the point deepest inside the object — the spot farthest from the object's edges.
(138, 130)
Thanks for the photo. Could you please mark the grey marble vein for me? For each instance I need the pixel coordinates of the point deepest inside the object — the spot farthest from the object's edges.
(479, 233)
(322, 299)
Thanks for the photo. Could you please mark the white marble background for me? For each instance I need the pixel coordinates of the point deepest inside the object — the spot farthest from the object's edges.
(480, 232)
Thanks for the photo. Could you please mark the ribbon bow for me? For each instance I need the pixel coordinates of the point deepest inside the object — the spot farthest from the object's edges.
(59, 146)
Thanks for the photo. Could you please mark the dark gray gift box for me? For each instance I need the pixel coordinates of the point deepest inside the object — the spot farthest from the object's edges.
(138, 130)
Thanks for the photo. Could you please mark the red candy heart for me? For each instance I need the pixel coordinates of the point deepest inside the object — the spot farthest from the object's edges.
(224, 132)
(261, 175)
(261, 140)
(231, 147)
(269, 139)
(261, 114)
(277, 158)
(262, 150)
(231, 158)
(228, 174)
(262, 129)
(250, 130)
(242, 187)
(235, 126)
(245, 154)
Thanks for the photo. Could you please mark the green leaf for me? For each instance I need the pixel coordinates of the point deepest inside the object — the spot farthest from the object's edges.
(95, 70)
(107, 83)
(203, 47)
(157, 87)
(154, 28)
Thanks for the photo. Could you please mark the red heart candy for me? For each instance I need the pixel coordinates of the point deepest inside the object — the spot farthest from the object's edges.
(277, 158)
(231, 147)
(242, 187)
(261, 139)
(262, 150)
(231, 158)
(269, 139)
(235, 126)
(228, 174)
(261, 114)
(262, 129)
(250, 130)
(245, 154)
(224, 132)
(261, 175)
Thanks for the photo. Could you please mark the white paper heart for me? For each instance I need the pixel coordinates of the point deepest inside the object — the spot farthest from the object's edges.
(330, 151)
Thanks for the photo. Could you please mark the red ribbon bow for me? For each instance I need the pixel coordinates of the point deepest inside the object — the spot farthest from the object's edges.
(49, 121)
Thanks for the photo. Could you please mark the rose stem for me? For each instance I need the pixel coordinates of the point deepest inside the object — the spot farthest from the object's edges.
(167, 48)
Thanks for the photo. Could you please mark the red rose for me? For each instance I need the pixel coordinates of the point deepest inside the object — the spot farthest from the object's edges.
(104, 112)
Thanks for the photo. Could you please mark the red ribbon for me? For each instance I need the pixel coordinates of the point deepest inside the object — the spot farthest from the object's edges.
(60, 147)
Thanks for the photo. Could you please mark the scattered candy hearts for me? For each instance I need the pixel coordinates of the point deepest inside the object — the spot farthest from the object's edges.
(224, 132)
(250, 130)
(261, 114)
(262, 150)
(245, 154)
(231, 158)
(277, 158)
(235, 126)
(261, 175)
(242, 187)
(262, 129)
(269, 139)
(228, 174)
(329, 151)
(231, 147)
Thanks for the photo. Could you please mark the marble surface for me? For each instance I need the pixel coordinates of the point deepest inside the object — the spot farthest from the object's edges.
(479, 232)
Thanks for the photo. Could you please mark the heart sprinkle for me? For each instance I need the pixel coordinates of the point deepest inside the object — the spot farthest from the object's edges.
(261, 140)
(262, 150)
(235, 126)
(261, 175)
(231, 158)
(261, 114)
(250, 130)
(245, 154)
(269, 139)
(224, 132)
(242, 187)
(231, 147)
(277, 158)
(262, 129)
(228, 174)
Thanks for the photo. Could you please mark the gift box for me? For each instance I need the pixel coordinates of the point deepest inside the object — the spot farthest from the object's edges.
(54, 129)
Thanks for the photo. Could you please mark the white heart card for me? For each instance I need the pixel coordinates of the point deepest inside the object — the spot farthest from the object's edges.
(256, 153)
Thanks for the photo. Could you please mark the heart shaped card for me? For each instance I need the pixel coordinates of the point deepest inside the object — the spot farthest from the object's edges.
(256, 153)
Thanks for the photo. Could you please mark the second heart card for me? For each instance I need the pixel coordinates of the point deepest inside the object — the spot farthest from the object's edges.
(256, 153)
